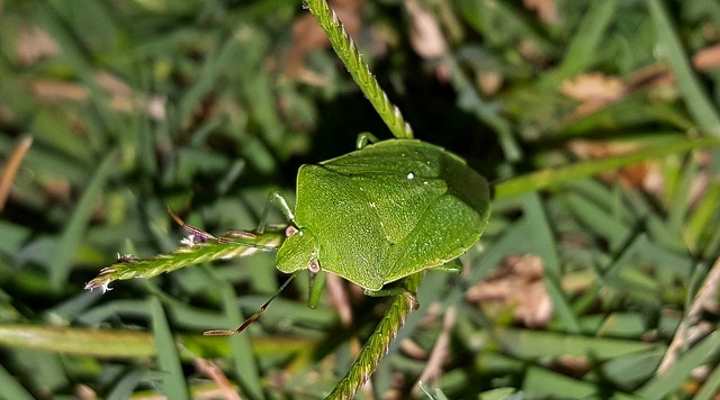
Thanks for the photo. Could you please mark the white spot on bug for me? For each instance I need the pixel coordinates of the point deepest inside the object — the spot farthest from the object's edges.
(425, 182)
(411, 176)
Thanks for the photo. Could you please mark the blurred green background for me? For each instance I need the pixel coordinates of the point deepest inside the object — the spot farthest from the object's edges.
(111, 111)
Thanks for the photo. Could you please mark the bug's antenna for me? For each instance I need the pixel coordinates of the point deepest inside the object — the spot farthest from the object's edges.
(251, 319)
(195, 235)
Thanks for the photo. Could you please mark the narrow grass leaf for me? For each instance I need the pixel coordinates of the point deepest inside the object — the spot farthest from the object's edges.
(71, 236)
(173, 378)
(673, 379)
(529, 345)
(711, 386)
(697, 100)
(543, 239)
(582, 49)
(246, 368)
(10, 388)
(551, 177)
(124, 388)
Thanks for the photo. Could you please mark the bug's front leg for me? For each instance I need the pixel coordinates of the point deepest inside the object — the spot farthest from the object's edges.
(364, 138)
(317, 287)
(277, 199)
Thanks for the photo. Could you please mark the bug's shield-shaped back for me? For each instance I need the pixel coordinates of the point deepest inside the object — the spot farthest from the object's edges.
(391, 209)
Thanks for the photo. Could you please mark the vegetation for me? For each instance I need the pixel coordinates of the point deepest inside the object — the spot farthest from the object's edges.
(595, 122)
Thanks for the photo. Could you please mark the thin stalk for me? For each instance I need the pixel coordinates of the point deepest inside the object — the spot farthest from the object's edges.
(379, 342)
(348, 53)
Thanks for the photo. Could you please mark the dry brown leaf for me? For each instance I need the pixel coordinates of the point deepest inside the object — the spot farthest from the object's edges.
(489, 82)
(11, 167)
(212, 371)
(546, 10)
(85, 392)
(707, 58)
(425, 35)
(34, 44)
(518, 283)
(593, 87)
(640, 175)
(58, 91)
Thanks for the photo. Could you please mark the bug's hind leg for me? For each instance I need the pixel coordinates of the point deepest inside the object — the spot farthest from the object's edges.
(277, 199)
(364, 138)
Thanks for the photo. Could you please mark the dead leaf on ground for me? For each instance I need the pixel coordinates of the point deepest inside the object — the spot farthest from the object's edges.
(593, 87)
(546, 10)
(426, 37)
(517, 284)
(34, 44)
(640, 175)
(707, 58)
(593, 91)
(122, 96)
(489, 82)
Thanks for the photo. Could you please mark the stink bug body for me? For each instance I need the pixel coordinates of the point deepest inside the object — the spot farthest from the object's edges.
(383, 212)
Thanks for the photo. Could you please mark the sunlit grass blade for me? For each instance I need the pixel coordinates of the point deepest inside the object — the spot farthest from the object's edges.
(125, 343)
(551, 177)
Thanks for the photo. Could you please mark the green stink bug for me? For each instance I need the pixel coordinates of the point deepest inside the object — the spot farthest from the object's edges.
(383, 212)
(379, 214)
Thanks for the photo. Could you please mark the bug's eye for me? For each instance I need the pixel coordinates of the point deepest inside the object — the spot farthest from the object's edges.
(291, 230)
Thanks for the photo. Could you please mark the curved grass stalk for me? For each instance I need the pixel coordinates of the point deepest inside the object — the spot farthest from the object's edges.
(348, 53)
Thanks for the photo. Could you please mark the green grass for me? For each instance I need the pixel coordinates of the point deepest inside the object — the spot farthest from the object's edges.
(214, 120)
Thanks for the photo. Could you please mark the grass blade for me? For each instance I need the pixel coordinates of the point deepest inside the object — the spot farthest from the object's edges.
(72, 234)
(10, 388)
(673, 378)
(551, 177)
(173, 382)
(246, 368)
(697, 100)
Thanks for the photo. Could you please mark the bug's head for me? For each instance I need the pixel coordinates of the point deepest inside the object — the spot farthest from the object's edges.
(299, 251)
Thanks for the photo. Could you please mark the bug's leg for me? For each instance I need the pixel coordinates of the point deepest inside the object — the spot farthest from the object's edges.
(275, 197)
(317, 287)
(252, 318)
(364, 138)
(452, 266)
